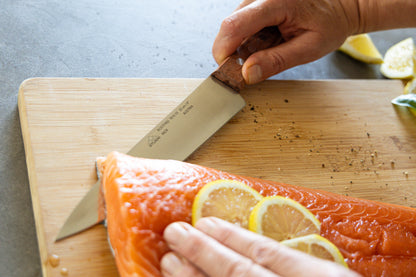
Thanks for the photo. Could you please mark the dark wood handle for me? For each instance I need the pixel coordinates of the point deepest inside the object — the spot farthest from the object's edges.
(229, 72)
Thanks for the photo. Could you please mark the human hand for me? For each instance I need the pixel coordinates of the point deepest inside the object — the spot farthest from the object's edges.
(218, 248)
(310, 28)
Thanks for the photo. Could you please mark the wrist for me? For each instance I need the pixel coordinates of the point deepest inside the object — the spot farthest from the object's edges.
(378, 15)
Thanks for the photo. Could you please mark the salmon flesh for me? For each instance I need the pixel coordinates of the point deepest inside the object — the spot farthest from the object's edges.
(143, 196)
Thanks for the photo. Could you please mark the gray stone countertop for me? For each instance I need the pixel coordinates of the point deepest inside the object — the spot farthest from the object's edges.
(123, 39)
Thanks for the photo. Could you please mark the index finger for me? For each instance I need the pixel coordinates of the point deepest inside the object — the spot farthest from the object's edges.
(269, 253)
(242, 24)
(209, 255)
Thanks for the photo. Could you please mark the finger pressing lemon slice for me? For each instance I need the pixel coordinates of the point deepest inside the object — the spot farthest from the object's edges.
(226, 199)
(317, 246)
(362, 48)
(282, 218)
(399, 60)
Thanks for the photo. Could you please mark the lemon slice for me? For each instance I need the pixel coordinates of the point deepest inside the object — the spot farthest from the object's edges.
(226, 199)
(399, 60)
(362, 48)
(317, 246)
(282, 218)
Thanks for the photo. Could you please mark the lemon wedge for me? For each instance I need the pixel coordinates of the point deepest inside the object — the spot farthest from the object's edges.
(362, 48)
(410, 87)
(229, 200)
(399, 60)
(317, 246)
(282, 218)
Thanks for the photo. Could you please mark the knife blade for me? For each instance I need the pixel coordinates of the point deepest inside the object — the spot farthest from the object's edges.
(211, 105)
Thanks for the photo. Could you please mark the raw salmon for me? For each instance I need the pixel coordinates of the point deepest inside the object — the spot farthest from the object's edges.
(143, 196)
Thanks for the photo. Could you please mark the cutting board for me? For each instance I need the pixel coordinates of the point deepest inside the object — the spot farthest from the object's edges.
(342, 136)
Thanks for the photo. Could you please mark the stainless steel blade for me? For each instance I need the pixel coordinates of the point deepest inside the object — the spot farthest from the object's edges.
(84, 216)
(177, 136)
(191, 123)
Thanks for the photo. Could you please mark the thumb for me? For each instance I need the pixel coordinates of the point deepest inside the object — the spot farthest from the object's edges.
(266, 63)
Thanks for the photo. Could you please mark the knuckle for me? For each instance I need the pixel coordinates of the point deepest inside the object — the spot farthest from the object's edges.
(238, 268)
(259, 250)
(264, 253)
(225, 235)
(231, 25)
(192, 246)
(277, 62)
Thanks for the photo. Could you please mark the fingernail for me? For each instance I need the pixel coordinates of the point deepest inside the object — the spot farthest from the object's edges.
(171, 264)
(254, 74)
(176, 233)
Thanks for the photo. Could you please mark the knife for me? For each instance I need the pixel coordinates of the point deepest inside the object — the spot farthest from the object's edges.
(211, 105)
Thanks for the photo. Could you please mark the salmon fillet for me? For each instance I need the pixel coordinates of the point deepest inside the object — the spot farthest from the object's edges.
(143, 196)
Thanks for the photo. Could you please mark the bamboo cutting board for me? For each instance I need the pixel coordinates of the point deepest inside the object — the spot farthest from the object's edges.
(342, 136)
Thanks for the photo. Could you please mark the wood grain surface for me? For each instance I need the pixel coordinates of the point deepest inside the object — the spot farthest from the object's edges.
(342, 136)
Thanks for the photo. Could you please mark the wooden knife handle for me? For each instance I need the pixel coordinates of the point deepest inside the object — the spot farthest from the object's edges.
(229, 72)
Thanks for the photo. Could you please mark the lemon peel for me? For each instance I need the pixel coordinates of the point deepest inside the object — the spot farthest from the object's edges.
(410, 87)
